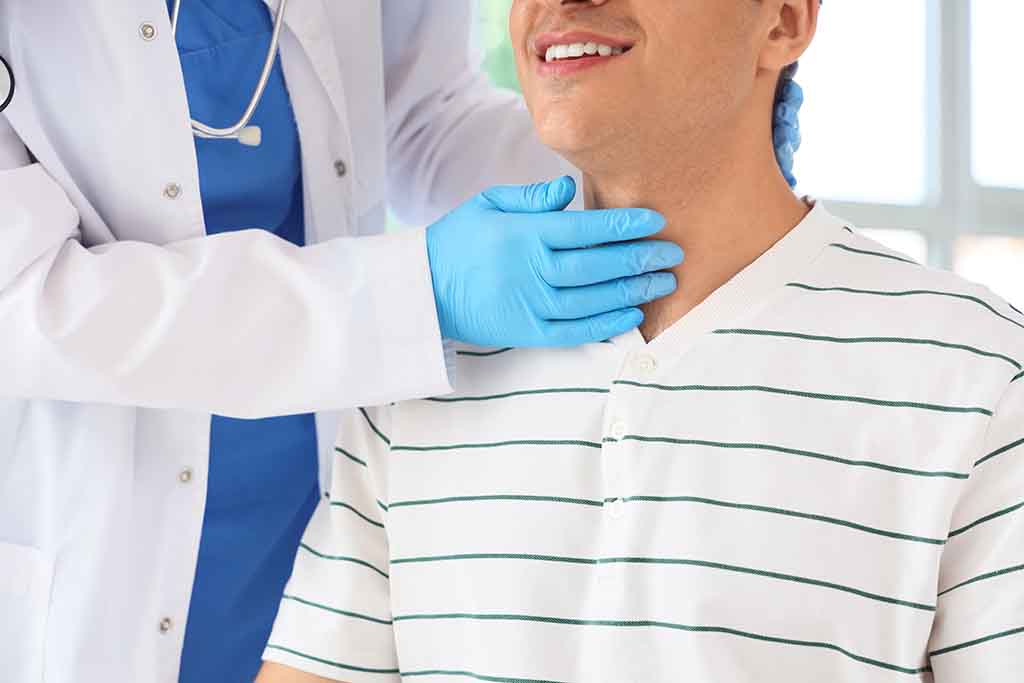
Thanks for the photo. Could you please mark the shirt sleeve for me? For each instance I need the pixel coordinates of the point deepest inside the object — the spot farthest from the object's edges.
(978, 633)
(335, 616)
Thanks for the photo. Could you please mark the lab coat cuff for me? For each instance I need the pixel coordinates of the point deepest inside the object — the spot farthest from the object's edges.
(411, 298)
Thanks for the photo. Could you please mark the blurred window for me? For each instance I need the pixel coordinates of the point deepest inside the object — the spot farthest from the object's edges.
(997, 105)
(994, 262)
(864, 120)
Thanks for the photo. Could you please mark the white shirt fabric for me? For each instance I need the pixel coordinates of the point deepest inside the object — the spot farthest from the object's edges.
(123, 327)
(814, 475)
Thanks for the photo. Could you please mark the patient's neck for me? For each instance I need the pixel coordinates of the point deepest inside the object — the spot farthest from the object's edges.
(723, 208)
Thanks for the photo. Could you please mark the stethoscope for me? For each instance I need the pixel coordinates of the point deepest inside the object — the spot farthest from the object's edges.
(241, 131)
(6, 84)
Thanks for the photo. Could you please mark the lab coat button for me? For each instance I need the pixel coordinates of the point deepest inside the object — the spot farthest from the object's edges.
(618, 430)
(165, 625)
(147, 31)
(340, 168)
(185, 476)
(172, 190)
(615, 508)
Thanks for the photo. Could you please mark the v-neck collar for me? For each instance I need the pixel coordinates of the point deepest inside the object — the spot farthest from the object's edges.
(755, 284)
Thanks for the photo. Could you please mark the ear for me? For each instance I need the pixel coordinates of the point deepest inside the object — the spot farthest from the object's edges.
(791, 25)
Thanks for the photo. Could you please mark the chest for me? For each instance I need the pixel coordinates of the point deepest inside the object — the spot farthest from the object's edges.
(724, 488)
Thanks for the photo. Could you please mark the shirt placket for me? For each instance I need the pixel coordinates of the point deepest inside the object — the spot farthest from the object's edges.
(624, 410)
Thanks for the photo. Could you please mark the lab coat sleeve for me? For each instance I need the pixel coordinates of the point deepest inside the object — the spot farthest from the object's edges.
(335, 617)
(978, 631)
(451, 133)
(242, 324)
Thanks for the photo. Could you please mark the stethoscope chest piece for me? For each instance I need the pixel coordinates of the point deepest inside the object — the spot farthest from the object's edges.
(6, 84)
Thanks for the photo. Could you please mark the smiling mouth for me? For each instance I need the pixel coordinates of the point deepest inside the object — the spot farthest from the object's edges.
(570, 51)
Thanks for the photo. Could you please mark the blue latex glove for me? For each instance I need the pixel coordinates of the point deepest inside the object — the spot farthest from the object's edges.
(786, 122)
(511, 268)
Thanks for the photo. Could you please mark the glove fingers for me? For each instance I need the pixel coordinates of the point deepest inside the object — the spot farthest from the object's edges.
(575, 229)
(537, 198)
(591, 330)
(581, 267)
(574, 303)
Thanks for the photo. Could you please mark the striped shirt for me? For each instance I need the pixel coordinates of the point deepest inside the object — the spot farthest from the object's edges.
(816, 475)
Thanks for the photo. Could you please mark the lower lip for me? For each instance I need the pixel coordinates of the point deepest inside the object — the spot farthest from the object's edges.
(565, 67)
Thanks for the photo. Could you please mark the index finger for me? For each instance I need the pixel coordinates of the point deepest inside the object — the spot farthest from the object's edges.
(579, 229)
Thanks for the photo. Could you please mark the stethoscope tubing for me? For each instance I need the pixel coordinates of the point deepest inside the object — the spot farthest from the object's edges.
(199, 128)
(10, 90)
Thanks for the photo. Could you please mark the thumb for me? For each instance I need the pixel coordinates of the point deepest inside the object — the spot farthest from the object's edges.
(537, 198)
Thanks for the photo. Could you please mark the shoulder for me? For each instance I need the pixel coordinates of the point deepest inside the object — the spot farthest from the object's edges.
(873, 282)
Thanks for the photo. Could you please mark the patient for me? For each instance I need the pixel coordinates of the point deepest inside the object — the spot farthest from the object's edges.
(804, 467)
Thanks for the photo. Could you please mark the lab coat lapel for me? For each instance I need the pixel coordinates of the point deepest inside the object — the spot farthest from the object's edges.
(315, 82)
(306, 19)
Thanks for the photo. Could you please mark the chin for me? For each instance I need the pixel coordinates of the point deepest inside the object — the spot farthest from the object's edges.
(570, 134)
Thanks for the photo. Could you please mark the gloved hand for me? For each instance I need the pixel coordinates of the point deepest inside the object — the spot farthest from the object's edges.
(511, 268)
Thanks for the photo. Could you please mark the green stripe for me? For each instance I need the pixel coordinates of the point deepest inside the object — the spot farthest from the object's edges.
(470, 674)
(669, 561)
(499, 444)
(357, 512)
(374, 427)
(382, 505)
(1017, 377)
(1000, 451)
(986, 518)
(495, 497)
(985, 639)
(527, 392)
(1016, 310)
(482, 354)
(344, 613)
(875, 340)
(787, 513)
(328, 662)
(666, 625)
(794, 451)
(847, 229)
(873, 253)
(350, 456)
(911, 292)
(984, 577)
(342, 558)
(808, 394)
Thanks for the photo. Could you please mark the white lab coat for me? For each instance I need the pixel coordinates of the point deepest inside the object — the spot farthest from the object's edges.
(122, 327)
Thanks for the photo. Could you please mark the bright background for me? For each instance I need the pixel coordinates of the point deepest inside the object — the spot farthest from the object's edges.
(913, 126)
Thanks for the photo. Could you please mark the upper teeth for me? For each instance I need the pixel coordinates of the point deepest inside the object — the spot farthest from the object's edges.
(571, 50)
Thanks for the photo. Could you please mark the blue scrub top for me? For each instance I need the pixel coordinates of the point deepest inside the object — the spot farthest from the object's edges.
(263, 473)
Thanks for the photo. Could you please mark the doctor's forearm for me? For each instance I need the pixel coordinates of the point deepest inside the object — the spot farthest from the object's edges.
(242, 324)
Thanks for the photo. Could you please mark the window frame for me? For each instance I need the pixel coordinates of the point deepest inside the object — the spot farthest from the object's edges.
(955, 204)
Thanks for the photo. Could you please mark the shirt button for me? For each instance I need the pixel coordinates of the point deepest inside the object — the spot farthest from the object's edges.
(618, 429)
(165, 625)
(185, 476)
(340, 168)
(147, 31)
(646, 364)
(616, 508)
(172, 190)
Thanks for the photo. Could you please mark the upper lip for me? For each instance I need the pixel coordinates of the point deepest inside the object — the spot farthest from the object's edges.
(543, 41)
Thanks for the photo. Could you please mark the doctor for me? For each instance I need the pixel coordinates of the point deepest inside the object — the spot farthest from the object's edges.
(157, 287)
